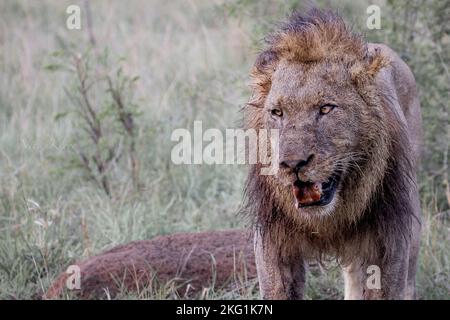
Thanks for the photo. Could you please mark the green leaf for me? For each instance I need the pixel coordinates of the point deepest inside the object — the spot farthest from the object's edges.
(53, 67)
(61, 115)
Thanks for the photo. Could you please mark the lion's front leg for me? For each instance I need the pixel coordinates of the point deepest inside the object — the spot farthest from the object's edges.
(279, 278)
(354, 278)
(393, 272)
(383, 277)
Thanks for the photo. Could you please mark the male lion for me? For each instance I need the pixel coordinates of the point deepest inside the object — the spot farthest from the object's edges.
(350, 130)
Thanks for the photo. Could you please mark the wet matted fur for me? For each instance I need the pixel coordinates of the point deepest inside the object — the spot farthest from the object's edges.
(370, 139)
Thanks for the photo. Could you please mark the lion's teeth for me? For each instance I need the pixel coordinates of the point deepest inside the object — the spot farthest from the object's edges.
(307, 193)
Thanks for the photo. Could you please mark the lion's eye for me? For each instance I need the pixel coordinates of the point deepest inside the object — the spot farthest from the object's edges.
(326, 108)
(276, 112)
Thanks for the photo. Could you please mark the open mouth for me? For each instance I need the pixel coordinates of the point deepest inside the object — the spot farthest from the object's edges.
(309, 194)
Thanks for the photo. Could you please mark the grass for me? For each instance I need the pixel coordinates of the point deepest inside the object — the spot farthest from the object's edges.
(193, 59)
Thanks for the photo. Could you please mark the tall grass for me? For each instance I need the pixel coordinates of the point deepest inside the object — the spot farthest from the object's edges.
(192, 58)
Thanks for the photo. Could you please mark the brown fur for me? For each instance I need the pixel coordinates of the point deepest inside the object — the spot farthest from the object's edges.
(372, 137)
(188, 262)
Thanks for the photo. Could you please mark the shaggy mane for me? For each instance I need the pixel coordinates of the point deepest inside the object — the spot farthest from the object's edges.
(316, 36)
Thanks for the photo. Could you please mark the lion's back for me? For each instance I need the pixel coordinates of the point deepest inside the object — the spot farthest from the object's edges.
(399, 82)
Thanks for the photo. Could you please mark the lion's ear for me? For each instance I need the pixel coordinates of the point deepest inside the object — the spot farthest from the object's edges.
(261, 75)
(375, 62)
(266, 60)
(370, 66)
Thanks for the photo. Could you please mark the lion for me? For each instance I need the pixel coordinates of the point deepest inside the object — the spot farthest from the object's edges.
(183, 264)
(349, 123)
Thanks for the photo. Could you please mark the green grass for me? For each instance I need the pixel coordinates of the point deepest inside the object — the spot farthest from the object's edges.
(193, 59)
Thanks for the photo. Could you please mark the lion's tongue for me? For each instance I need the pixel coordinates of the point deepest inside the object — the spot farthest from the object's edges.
(307, 193)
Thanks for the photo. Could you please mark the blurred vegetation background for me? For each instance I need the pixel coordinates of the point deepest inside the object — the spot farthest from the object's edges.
(164, 64)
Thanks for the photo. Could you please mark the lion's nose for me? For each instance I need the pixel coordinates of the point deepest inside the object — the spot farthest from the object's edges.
(296, 165)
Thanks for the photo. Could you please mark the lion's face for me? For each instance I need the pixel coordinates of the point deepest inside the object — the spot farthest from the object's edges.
(320, 117)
